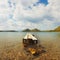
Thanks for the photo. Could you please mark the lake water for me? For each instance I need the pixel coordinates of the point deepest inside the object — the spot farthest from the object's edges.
(11, 45)
(11, 38)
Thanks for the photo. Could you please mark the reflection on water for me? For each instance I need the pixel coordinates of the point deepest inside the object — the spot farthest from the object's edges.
(10, 38)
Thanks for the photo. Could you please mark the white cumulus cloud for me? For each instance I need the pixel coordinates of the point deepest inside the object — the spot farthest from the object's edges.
(21, 14)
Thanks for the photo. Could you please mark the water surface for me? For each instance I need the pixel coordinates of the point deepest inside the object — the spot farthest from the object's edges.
(11, 38)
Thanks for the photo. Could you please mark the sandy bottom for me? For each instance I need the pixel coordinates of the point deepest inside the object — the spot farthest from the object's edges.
(16, 52)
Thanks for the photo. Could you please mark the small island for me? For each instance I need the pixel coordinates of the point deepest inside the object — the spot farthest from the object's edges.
(8, 31)
(31, 30)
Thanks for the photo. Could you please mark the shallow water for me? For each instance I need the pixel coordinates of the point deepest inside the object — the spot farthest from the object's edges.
(12, 49)
(11, 38)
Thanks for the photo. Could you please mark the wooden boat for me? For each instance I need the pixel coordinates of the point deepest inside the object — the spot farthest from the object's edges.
(29, 39)
(30, 43)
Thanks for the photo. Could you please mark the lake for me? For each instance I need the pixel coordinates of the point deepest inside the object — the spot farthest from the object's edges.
(11, 38)
(10, 45)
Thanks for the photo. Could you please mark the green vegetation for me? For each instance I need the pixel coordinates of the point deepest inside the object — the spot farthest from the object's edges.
(8, 31)
(26, 30)
(33, 30)
(57, 29)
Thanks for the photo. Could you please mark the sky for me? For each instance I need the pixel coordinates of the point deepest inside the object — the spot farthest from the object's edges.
(22, 14)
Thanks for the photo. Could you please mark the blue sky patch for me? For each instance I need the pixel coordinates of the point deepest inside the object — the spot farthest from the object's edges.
(45, 2)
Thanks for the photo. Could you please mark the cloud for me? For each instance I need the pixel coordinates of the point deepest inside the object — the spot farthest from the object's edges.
(21, 14)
